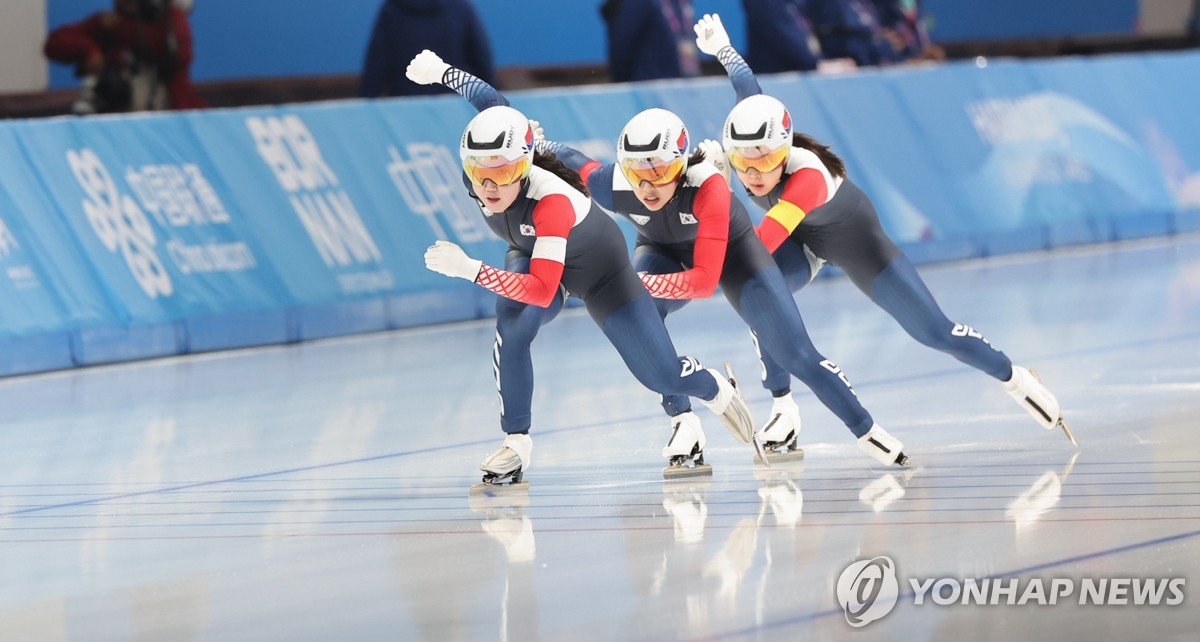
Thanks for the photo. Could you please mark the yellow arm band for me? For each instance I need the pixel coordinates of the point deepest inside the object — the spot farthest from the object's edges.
(787, 215)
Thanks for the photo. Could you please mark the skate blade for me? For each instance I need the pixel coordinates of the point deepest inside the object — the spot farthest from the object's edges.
(729, 375)
(763, 457)
(749, 418)
(684, 472)
(1070, 435)
(776, 458)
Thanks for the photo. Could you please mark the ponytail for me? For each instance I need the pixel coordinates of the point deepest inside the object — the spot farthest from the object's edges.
(832, 162)
(549, 162)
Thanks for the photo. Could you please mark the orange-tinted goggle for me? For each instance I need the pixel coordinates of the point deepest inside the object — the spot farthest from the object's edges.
(656, 171)
(763, 160)
(497, 169)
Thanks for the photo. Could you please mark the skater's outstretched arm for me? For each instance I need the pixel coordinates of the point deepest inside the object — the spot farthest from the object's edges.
(553, 218)
(427, 68)
(712, 39)
(808, 182)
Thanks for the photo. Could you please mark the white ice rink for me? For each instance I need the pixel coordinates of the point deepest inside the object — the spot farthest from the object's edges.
(319, 491)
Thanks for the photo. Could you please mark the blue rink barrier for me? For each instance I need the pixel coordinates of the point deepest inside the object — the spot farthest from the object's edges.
(148, 235)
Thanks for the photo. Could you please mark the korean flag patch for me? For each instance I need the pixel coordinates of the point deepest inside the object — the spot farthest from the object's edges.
(687, 219)
(527, 230)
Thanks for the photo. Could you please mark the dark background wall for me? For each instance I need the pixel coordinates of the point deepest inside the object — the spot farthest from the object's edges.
(237, 39)
(1008, 19)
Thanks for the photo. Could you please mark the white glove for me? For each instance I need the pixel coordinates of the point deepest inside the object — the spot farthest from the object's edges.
(715, 155)
(710, 34)
(447, 258)
(538, 134)
(426, 68)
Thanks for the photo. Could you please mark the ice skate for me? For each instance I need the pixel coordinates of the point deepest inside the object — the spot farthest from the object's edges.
(777, 438)
(731, 407)
(503, 470)
(685, 450)
(1027, 388)
(883, 447)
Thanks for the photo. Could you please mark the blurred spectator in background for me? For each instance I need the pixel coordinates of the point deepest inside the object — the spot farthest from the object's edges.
(851, 29)
(133, 58)
(779, 36)
(405, 28)
(650, 39)
(903, 25)
(1194, 23)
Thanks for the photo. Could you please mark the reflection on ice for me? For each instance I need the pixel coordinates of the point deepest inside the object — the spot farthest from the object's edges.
(1039, 498)
(684, 501)
(885, 490)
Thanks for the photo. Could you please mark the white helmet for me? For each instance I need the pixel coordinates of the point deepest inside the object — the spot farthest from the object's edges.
(758, 134)
(654, 146)
(497, 145)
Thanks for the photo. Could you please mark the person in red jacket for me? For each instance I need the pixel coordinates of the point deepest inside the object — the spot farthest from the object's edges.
(133, 58)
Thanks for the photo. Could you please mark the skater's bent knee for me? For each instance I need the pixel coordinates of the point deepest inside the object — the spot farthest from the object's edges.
(931, 337)
(518, 325)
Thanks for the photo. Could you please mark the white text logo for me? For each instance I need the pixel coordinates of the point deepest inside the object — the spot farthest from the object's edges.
(993, 591)
(867, 590)
(178, 197)
(323, 207)
(8, 243)
(431, 185)
(689, 366)
(960, 330)
(119, 223)
(832, 367)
